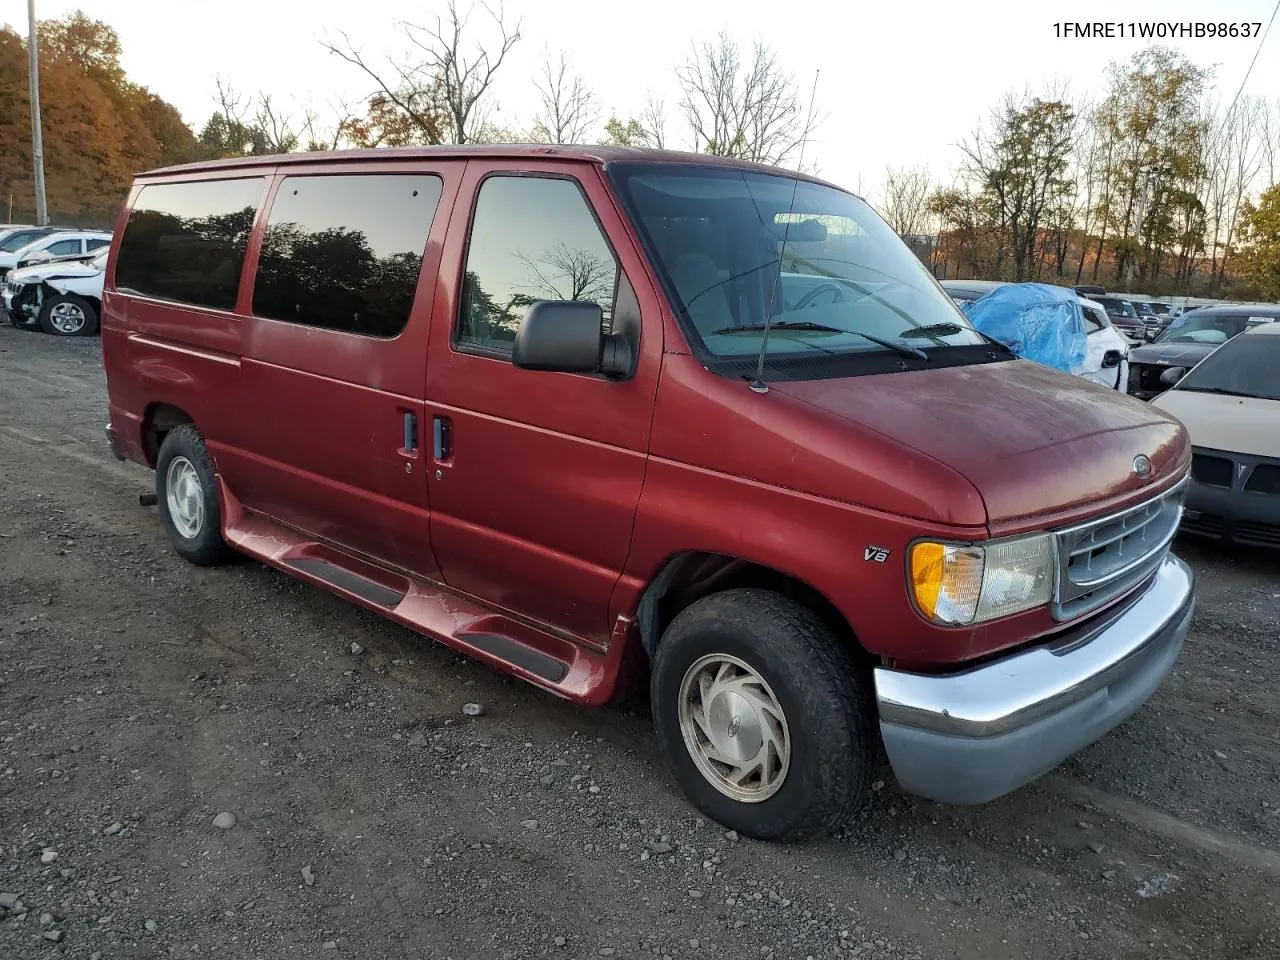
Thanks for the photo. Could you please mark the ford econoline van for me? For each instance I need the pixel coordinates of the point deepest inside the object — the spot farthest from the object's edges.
(578, 410)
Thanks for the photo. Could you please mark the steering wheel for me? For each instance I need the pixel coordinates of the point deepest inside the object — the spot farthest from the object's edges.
(835, 289)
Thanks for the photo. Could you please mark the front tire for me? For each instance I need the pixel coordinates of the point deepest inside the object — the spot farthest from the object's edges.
(188, 498)
(762, 715)
(66, 315)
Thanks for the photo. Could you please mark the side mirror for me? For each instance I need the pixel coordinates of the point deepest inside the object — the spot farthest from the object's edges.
(1172, 375)
(1111, 358)
(565, 336)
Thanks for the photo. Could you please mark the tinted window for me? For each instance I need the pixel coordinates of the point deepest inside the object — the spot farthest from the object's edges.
(1245, 366)
(1092, 320)
(16, 241)
(93, 243)
(63, 247)
(532, 238)
(186, 241)
(344, 252)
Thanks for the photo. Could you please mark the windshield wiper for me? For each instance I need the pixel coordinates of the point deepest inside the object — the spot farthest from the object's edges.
(933, 330)
(905, 349)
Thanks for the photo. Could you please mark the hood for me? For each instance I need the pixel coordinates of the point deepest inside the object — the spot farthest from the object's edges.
(1031, 440)
(52, 271)
(1172, 354)
(1219, 422)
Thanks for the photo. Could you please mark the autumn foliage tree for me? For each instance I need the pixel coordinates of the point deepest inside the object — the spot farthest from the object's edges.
(99, 128)
(1258, 260)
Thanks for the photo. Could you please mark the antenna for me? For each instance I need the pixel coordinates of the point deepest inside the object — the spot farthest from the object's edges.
(758, 384)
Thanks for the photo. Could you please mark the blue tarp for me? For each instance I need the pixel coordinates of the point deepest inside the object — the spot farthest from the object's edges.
(1037, 321)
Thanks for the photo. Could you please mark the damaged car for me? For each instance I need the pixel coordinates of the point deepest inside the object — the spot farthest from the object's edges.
(1186, 341)
(63, 297)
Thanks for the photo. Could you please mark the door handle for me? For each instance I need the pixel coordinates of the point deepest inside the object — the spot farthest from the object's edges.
(410, 432)
(442, 434)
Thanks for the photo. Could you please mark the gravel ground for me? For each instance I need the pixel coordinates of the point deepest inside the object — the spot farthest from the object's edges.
(198, 762)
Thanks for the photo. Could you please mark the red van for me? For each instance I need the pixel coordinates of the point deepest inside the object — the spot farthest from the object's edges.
(573, 409)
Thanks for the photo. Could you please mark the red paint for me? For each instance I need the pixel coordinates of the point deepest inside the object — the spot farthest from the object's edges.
(564, 495)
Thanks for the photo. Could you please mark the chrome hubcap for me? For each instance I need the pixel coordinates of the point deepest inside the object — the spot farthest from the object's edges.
(67, 318)
(184, 497)
(734, 728)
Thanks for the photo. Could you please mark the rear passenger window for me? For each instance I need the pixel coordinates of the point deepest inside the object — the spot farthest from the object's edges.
(344, 252)
(186, 241)
(532, 238)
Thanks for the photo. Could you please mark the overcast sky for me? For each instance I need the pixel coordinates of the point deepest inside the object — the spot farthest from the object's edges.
(900, 83)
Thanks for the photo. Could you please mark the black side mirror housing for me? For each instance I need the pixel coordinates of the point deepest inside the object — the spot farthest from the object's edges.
(565, 336)
(1173, 375)
(1111, 358)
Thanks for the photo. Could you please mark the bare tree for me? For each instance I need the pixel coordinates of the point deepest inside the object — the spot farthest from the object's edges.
(276, 125)
(654, 121)
(571, 273)
(740, 107)
(905, 199)
(569, 109)
(444, 89)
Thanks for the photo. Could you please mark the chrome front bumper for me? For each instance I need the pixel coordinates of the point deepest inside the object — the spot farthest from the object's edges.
(972, 736)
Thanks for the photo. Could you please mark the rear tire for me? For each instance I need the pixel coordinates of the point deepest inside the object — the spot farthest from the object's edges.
(66, 315)
(749, 667)
(188, 498)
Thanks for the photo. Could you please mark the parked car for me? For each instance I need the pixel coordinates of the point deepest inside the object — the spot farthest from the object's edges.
(56, 243)
(1188, 340)
(1123, 314)
(1158, 316)
(1230, 403)
(63, 296)
(13, 239)
(564, 410)
(1106, 362)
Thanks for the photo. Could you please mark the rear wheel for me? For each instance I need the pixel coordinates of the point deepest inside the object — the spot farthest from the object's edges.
(188, 498)
(763, 717)
(66, 315)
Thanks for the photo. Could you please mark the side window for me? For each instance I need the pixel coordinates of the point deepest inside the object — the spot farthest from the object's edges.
(93, 243)
(64, 247)
(344, 252)
(532, 238)
(1092, 322)
(186, 241)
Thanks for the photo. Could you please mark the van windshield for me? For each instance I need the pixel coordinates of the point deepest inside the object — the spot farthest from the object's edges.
(738, 247)
(1245, 367)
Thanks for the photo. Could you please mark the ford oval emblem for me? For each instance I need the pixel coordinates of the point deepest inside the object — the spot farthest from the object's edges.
(1142, 466)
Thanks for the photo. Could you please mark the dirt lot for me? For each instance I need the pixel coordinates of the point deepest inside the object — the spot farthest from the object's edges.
(141, 697)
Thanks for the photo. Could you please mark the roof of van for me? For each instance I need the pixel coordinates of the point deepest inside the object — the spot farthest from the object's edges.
(513, 151)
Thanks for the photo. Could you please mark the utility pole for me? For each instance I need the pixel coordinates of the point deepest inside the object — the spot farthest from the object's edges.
(37, 136)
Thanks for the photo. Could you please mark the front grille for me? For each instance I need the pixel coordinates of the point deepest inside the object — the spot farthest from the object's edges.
(1212, 471)
(1258, 534)
(1145, 379)
(1265, 478)
(1100, 559)
(1201, 524)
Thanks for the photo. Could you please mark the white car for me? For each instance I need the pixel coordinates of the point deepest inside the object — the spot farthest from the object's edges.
(64, 297)
(1230, 404)
(1107, 360)
(61, 243)
(1107, 357)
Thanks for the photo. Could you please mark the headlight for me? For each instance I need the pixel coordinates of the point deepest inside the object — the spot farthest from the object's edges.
(958, 584)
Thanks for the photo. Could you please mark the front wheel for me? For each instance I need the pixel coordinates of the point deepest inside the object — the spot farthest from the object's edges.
(762, 715)
(66, 315)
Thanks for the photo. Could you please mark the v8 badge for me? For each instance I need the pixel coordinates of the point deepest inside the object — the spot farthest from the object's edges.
(875, 554)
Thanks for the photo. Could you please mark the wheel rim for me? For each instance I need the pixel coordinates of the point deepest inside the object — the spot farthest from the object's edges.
(734, 728)
(66, 317)
(185, 497)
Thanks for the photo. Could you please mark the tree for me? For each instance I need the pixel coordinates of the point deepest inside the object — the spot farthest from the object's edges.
(1259, 234)
(569, 108)
(443, 89)
(1153, 118)
(905, 203)
(1020, 169)
(748, 109)
(648, 130)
